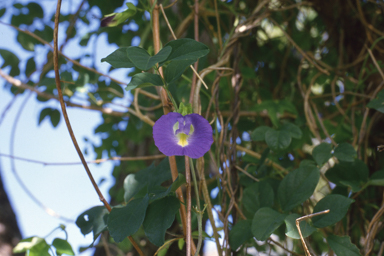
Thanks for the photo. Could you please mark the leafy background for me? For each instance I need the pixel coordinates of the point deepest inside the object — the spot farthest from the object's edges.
(296, 88)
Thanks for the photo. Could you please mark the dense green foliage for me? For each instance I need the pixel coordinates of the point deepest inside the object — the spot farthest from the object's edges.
(294, 98)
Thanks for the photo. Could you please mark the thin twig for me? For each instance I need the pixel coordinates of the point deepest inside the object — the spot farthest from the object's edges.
(246, 173)
(258, 156)
(67, 122)
(148, 94)
(174, 37)
(299, 49)
(298, 228)
(97, 161)
(16, 174)
(188, 236)
(167, 108)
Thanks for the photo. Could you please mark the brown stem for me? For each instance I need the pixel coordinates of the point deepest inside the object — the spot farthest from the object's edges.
(121, 159)
(188, 237)
(196, 28)
(65, 115)
(167, 107)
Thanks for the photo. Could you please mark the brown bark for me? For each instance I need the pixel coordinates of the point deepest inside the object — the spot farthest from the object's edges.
(9, 230)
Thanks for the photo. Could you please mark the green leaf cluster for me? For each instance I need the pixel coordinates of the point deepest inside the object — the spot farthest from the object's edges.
(174, 57)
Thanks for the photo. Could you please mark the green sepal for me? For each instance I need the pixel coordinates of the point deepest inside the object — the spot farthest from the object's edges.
(185, 109)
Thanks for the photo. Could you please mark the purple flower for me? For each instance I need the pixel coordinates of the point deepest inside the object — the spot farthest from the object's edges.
(178, 135)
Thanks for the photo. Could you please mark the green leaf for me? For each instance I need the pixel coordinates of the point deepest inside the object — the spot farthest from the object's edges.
(186, 49)
(184, 52)
(345, 152)
(180, 180)
(119, 59)
(36, 10)
(93, 220)
(151, 176)
(297, 186)
(159, 217)
(259, 133)
(342, 246)
(292, 232)
(10, 59)
(2, 11)
(142, 60)
(272, 108)
(30, 66)
(55, 117)
(377, 179)
(322, 153)
(35, 245)
(293, 130)
(265, 221)
(338, 207)
(62, 246)
(26, 41)
(378, 103)
(175, 69)
(240, 233)
(122, 16)
(277, 140)
(258, 195)
(53, 114)
(352, 174)
(141, 80)
(125, 221)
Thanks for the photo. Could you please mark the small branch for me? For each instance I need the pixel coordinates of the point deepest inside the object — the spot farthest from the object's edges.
(246, 173)
(148, 94)
(198, 209)
(103, 110)
(282, 247)
(298, 228)
(69, 127)
(258, 156)
(97, 161)
(174, 37)
(305, 56)
(48, 210)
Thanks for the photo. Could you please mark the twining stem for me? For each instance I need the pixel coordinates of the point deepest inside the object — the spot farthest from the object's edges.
(198, 208)
(207, 199)
(68, 124)
(167, 108)
(188, 235)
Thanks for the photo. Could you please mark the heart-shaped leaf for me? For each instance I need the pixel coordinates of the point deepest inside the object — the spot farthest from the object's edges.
(277, 140)
(125, 221)
(336, 204)
(265, 221)
(142, 60)
(119, 59)
(159, 217)
(141, 80)
(297, 186)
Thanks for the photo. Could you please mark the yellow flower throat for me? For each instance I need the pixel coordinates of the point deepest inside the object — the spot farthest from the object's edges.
(182, 138)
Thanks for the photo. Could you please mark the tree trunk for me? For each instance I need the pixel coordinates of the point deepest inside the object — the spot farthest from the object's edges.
(9, 230)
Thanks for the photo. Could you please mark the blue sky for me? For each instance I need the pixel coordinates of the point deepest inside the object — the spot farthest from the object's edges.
(65, 189)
